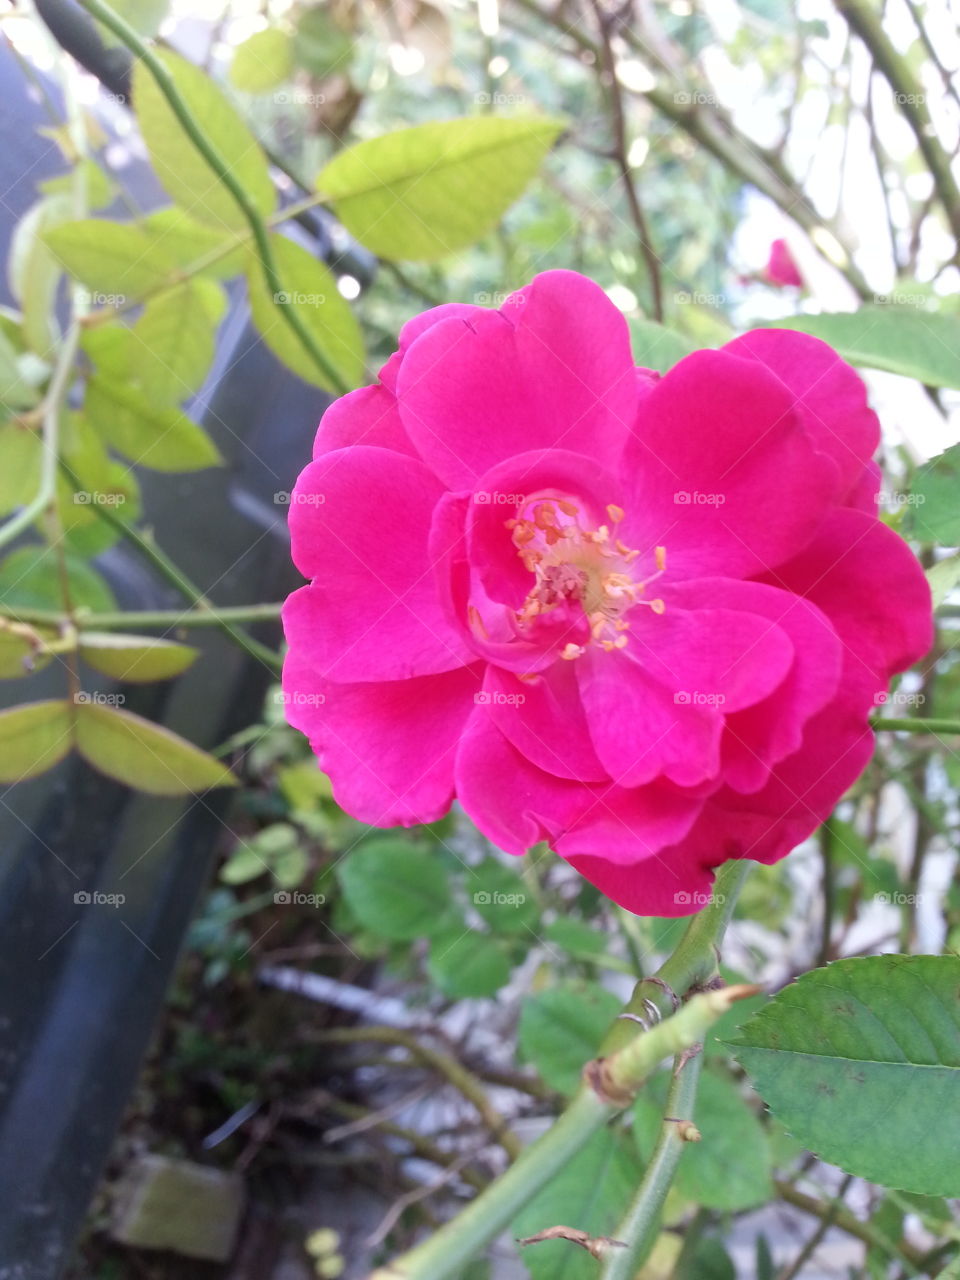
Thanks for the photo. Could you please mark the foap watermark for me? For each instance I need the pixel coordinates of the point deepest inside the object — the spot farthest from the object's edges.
(910, 99)
(97, 299)
(97, 699)
(701, 299)
(299, 98)
(297, 898)
(94, 498)
(293, 297)
(696, 99)
(497, 698)
(694, 498)
(899, 698)
(286, 498)
(683, 898)
(898, 899)
(498, 498)
(494, 898)
(898, 299)
(499, 99)
(299, 699)
(94, 898)
(484, 299)
(697, 698)
(886, 498)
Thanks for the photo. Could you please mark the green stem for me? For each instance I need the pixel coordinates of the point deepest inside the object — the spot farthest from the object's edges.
(176, 578)
(641, 1224)
(627, 1058)
(194, 131)
(133, 620)
(917, 725)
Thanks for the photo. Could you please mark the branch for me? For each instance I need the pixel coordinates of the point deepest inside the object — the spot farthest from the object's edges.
(627, 1057)
(194, 131)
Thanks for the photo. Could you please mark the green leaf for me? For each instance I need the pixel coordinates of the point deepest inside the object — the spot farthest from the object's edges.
(179, 165)
(320, 45)
(396, 890)
(144, 755)
(117, 261)
(501, 899)
(465, 964)
(160, 437)
(34, 272)
(99, 191)
(188, 242)
(656, 347)
(861, 1062)
(145, 16)
(918, 344)
(102, 484)
(20, 453)
(943, 577)
(16, 391)
(591, 1193)
(730, 1168)
(575, 936)
(30, 579)
(307, 286)
(263, 61)
(424, 192)
(561, 1030)
(19, 655)
(935, 499)
(135, 658)
(33, 738)
(176, 336)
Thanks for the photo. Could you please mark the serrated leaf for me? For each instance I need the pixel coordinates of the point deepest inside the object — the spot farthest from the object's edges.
(591, 1194)
(861, 1062)
(468, 963)
(935, 494)
(308, 287)
(943, 577)
(427, 191)
(135, 658)
(116, 261)
(30, 579)
(561, 1030)
(182, 170)
(20, 453)
(189, 243)
(656, 347)
(730, 1168)
(33, 738)
(176, 340)
(396, 890)
(144, 755)
(262, 61)
(918, 344)
(160, 437)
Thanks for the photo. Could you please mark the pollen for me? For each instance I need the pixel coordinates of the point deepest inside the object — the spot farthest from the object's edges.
(575, 565)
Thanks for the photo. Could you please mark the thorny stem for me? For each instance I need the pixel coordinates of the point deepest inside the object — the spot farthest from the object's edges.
(194, 131)
(626, 1059)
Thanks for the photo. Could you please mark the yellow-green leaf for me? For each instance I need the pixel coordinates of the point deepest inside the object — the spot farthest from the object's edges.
(117, 261)
(263, 61)
(20, 453)
(34, 272)
(176, 340)
(144, 755)
(159, 437)
(180, 167)
(308, 287)
(424, 192)
(135, 658)
(33, 738)
(19, 651)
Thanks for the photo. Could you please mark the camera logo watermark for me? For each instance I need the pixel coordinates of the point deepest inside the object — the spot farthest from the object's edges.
(486, 898)
(99, 699)
(899, 699)
(499, 699)
(284, 498)
(686, 498)
(287, 297)
(298, 699)
(94, 898)
(697, 698)
(92, 498)
(685, 899)
(296, 898)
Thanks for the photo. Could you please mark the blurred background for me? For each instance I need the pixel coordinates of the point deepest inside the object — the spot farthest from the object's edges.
(240, 1034)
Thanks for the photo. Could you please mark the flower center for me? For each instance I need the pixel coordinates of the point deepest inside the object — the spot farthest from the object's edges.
(571, 563)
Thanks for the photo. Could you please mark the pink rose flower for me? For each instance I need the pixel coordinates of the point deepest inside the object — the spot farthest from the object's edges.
(642, 618)
(781, 268)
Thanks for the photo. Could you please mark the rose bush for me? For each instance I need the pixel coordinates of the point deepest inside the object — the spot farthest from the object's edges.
(641, 618)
